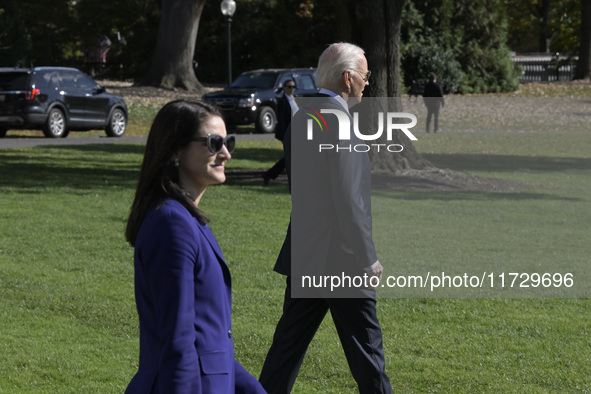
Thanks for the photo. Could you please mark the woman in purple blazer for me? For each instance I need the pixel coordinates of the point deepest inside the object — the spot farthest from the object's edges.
(182, 282)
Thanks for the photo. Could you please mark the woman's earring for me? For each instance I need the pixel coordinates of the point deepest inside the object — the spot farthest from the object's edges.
(176, 162)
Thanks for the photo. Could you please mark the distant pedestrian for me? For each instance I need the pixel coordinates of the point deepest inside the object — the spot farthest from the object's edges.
(433, 98)
(286, 108)
(104, 45)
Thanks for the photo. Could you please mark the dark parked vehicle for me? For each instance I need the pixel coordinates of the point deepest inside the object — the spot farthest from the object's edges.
(58, 100)
(252, 97)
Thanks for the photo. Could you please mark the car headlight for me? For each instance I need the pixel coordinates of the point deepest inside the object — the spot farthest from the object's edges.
(246, 102)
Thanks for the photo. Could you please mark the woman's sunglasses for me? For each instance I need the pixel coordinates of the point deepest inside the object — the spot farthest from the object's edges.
(215, 142)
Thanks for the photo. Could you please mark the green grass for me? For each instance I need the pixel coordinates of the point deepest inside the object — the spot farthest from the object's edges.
(67, 308)
(141, 116)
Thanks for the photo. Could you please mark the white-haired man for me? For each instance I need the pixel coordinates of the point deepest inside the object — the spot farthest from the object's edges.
(330, 231)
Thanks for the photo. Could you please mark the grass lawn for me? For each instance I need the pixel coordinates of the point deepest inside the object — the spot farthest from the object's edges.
(67, 308)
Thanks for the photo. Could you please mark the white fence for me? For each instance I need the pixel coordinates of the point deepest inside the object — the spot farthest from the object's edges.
(545, 68)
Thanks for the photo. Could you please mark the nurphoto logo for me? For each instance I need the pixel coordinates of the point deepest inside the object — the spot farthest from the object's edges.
(389, 118)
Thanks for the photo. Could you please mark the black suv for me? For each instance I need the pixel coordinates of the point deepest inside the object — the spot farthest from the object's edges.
(57, 100)
(252, 97)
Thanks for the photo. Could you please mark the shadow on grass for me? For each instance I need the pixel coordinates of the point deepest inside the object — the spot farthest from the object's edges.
(80, 167)
(261, 155)
(84, 167)
(417, 195)
(42, 175)
(248, 154)
(104, 148)
(506, 163)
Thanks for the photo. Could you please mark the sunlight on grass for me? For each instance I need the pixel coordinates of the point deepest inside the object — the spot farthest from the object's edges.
(66, 272)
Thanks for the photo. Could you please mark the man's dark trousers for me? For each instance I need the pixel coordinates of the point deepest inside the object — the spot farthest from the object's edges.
(359, 331)
(276, 170)
(433, 110)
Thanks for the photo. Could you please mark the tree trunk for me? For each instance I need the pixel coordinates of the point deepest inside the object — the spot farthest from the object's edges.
(172, 65)
(544, 39)
(379, 25)
(584, 64)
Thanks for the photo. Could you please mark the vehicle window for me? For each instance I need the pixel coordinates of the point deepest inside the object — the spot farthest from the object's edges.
(285, 77)
(84, 82)
(13, 81)
(259, 80)
(306, 82)
(67, 80)
(45, 79)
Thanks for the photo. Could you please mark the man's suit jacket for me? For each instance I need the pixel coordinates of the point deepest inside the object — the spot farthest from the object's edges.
(183, 297)
(283, 117)
(433, 95)
(331, 199)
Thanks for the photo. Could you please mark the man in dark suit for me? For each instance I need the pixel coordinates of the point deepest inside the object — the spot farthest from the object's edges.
(433, 98)
(330, 232)
(286, 107)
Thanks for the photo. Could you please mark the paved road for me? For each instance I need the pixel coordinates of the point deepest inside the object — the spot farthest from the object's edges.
(25, 142)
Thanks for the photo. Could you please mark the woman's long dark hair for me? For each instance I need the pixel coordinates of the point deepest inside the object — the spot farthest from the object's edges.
(175, 124)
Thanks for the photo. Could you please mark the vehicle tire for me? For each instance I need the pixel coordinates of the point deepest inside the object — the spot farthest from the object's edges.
(55, 127)
(3, 133)
(117, 124)
(266, 121)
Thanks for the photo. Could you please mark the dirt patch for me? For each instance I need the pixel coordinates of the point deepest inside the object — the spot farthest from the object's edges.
(143, 93)
(433, 179)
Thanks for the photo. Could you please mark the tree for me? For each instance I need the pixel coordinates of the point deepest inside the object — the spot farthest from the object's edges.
(287, 34)
(543, 25)
(462, 41)
(130, 25)
(13, 37)
(31, 34)
(378, 25)
(584, 65)
(544, 38)
(172, 64)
